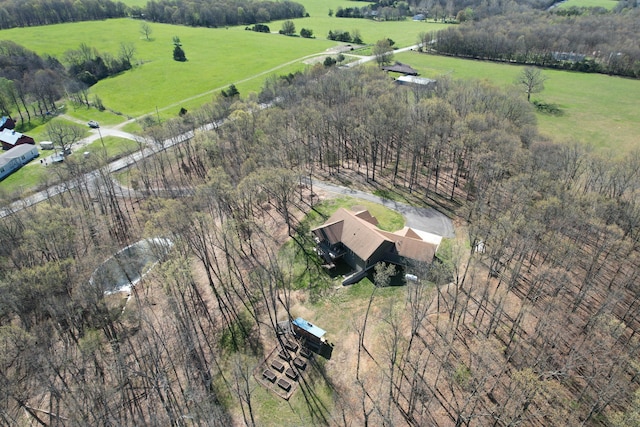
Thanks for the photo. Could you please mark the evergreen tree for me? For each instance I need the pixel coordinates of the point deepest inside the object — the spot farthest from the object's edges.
(178, 53)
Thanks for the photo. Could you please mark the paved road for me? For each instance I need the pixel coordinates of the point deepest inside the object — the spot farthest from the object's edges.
(424, 219)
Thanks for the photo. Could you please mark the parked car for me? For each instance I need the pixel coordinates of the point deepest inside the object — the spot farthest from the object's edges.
(93, 124)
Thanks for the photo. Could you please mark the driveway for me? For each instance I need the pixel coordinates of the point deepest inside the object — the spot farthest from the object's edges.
(422, 219)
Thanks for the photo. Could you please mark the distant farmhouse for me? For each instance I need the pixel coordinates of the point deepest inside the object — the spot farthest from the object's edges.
(410, 76)
(417, 81)
(15, 158)
(354, 238)
(10, 139)
(401, 68)
(568, 56)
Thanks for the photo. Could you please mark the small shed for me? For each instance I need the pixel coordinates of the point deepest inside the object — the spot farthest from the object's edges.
(419, 17)
(46, 145)
(299, 363)
(269, 375)
(284, 384)
(308, 331)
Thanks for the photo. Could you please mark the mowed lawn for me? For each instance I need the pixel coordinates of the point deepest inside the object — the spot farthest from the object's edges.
(216, 58)
(606, 4)
(598, 110)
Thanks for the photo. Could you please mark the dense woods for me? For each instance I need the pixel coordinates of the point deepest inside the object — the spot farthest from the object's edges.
(532, 321)
(596, 42)
(205, 14)
(27, 80)
(31, 85)
(220, 13)
(16, 13)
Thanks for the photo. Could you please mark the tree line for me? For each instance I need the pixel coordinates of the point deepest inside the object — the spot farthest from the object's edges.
(31, 85)
(14, 13)
(533, 321)
(395, 12)
(220, 13)
(209, 14)
(606, 42)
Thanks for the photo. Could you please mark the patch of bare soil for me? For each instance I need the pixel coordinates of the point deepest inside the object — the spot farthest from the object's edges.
(315, 60)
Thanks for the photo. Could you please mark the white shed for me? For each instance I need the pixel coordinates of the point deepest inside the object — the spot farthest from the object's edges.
(46, 145)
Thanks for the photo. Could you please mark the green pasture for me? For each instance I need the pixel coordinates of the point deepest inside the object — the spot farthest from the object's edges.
(606, 4)
(598, 110)
(115, 147)
(24, 179)
(404, 33)
(216, 57)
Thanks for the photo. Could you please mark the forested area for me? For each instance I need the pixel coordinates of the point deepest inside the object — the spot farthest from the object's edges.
(214, 13)
(18, 13)
(31, 85)
(27, 80)
(14, 13)
(533, 321)
(606, 41)
(440, 9)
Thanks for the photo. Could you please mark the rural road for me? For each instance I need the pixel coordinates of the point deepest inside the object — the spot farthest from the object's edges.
(424, 219)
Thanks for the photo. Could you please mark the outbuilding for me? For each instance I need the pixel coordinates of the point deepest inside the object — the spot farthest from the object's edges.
(7, 123)
(312, 334)
(10, 138)
(46, 145)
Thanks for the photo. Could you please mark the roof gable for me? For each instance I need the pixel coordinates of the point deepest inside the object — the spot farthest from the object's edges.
(356, 230)
(9, 136)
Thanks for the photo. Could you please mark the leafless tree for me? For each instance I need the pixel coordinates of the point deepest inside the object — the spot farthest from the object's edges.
(531, 80)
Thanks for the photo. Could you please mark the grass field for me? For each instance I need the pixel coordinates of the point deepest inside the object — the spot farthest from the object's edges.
(216, 57)
(598, 110)
(115, 147)
(24, 179)
(606, 4)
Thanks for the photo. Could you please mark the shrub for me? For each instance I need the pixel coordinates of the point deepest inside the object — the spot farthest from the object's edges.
(329, 61)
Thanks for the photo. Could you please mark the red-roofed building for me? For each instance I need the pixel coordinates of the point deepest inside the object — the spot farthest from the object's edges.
(10, 138)
(6, 123)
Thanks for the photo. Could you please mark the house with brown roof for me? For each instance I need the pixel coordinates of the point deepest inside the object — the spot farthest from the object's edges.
(355, 238)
